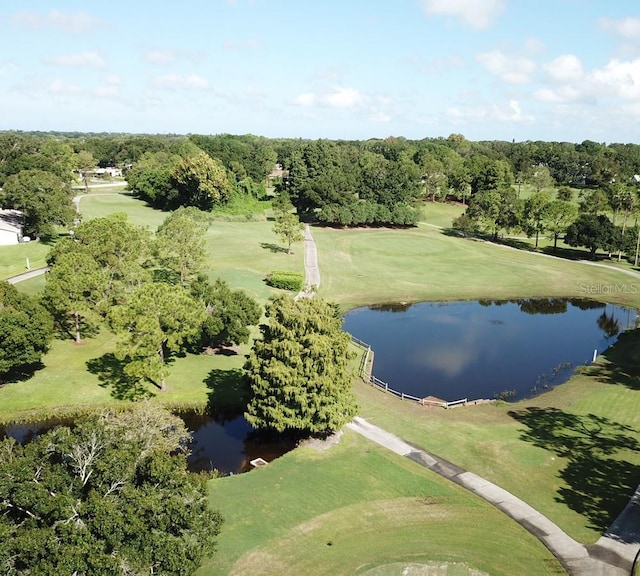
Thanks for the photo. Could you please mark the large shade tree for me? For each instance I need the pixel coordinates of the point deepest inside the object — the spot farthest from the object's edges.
(299, 370)
(229, 313)
(180, 243)
(43, 198)
(157, 320)
(26, 329)
(110, 496)
(593, 232)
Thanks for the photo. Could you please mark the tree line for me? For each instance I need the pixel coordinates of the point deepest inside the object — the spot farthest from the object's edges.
(336, 182)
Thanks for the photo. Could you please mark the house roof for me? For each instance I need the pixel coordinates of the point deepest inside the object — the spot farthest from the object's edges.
(11, 221)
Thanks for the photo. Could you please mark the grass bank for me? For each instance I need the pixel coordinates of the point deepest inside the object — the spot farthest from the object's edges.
(572, 453)
(368, 266)
(357, 507)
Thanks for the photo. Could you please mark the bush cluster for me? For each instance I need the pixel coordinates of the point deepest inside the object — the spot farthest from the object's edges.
(285, 280)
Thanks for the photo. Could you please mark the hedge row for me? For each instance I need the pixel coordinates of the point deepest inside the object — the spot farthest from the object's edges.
(285, 280)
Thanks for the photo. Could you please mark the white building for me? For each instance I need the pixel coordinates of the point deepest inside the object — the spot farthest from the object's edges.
(10, 227)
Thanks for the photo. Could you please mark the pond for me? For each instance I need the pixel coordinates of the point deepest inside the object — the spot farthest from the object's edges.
(228, 446)
(485, 349)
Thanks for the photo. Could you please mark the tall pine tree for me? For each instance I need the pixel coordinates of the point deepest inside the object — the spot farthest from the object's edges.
(299, 370)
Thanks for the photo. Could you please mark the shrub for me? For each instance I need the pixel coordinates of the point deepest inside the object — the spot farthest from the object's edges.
(285, 280)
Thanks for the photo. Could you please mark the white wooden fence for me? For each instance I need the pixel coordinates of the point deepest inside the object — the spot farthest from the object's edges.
(366, 373)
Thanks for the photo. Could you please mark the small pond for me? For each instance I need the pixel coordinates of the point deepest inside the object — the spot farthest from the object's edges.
(485, 349)
(227, 446)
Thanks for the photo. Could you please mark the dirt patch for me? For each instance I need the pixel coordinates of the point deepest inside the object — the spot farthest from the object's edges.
(429, 569)
(323, 443)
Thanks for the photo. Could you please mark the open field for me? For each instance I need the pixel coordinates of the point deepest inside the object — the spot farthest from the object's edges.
(78, 378)
(521, 447)
(13, 259)
(357, 507)
(369, 266)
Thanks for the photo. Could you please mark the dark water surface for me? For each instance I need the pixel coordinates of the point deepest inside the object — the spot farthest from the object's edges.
(482, 349)
(226, 446)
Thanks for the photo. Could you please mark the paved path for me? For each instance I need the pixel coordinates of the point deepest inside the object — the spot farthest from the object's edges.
(311, 269)
(27, 275)
(577, 559)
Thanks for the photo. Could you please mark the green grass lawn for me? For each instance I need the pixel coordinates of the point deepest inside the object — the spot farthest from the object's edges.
(356, 508)
(102, 202)
(522, 447)
(13, 259)
(572, 453)
(367, 266)
(77, 378)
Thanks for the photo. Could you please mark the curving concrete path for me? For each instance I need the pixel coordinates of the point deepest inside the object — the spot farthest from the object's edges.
(612, 555)
(576, 558)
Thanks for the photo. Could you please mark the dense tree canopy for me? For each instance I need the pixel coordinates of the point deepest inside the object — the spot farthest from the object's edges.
(110, 496)
(593, 232)
(43, 198)
(26, 329)
(116, 247)
(229, 313)
(157, 320)
(299, 370)
(179, 245)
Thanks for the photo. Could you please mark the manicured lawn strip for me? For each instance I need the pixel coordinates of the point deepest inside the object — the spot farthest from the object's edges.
(13, 259)
(32, 286)
(67, 386)
(373, 506)
(576, 468)
(103, 202)
(441, 213)
(243, 253)
(368, 266)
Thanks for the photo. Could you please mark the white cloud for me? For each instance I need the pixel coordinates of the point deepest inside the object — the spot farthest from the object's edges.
(77, 23)
(344, 98)
(83, 59)
(478, 14)
(565, 68)
(59, 87)
(305, 100)
(558, 95)
(516, 70)
(618, 78)
(380, 117)
(627, 28)
(338, 98)
(180, 81)
(160, 57)
(110, 88)
(510, 111)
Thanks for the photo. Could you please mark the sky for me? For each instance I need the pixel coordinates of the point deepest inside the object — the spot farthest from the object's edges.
(553, 70)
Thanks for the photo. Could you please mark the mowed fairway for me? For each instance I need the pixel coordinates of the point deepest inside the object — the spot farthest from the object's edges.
(367, 266)
(572, 453)
(356, 507)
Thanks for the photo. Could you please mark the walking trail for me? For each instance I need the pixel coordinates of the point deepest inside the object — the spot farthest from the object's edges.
(612, 555)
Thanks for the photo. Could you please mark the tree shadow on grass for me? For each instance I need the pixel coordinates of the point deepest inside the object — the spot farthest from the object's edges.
(110, 372)
(229, 394)
(20, 373)
(621, 364)
(273, 247)
(598, 480)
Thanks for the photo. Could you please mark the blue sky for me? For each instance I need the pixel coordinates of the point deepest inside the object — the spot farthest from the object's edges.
(489, 69)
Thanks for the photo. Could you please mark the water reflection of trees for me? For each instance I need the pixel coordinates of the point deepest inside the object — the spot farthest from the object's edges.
(391, 307)
(609, 324)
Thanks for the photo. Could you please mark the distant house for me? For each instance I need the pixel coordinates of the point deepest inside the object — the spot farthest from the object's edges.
(110, 171)
(10, 227)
